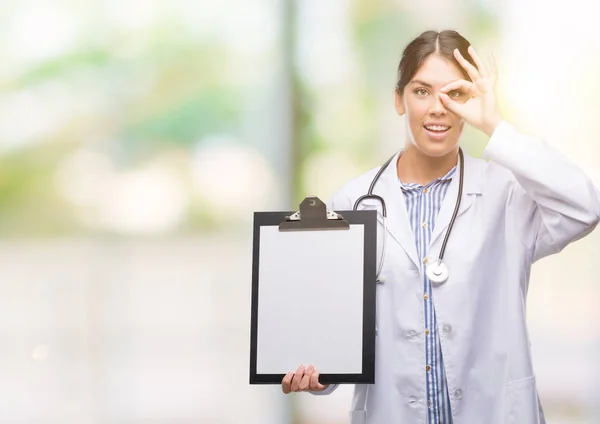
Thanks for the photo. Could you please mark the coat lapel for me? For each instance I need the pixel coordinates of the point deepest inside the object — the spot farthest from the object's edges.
(471, 187)
(398, 225)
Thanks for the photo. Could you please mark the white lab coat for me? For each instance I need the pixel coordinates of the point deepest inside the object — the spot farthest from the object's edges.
(527, 202)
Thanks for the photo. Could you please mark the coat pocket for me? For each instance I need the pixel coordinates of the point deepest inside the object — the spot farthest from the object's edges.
(521, 402)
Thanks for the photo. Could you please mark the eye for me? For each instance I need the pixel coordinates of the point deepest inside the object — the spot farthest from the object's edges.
(421, 92)
(454, 94)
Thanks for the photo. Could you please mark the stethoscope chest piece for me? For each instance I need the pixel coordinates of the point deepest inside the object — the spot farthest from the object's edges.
(437, 272)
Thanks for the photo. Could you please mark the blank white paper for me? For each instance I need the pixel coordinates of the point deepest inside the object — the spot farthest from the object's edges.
(310, 300)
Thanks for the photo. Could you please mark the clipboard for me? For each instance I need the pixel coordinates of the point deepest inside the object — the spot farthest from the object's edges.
(314, 294)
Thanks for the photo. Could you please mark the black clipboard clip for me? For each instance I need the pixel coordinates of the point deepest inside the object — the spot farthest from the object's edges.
(313, 215)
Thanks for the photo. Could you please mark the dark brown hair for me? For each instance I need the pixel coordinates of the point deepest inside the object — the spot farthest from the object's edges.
(428, 43)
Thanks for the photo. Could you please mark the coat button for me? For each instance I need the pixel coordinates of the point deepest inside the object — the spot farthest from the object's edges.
(458, 393)
(447, 328)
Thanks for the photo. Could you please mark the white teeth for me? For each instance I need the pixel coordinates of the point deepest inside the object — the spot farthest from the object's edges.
(437, 127)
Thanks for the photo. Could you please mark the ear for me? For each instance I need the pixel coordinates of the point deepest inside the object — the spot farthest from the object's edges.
(399, 102)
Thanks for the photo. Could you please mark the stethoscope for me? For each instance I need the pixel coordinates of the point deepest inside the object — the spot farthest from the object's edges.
(437, 272)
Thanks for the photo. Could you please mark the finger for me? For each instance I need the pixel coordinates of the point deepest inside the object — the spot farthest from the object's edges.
(482, 69)
(305, 382)
(460, 90)
(450, 104)
(314, 382)
(461, 85)
(286, 383)
(297, 378)
(471, 70)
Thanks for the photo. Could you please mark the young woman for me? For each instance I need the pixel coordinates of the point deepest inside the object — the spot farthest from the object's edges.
(452, 345)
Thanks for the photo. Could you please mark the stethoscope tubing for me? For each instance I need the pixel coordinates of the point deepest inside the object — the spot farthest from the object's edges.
(380, 199)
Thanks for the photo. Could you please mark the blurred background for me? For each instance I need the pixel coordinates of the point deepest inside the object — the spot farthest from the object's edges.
(137, 138)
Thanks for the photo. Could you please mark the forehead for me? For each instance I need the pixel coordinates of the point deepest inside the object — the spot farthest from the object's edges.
(438, 71)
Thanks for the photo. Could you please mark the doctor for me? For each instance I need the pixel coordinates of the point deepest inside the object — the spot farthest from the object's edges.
(457, 351)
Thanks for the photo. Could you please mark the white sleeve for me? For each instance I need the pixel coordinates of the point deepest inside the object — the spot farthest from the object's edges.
(553, 201)
(327, 391)
(339, 201)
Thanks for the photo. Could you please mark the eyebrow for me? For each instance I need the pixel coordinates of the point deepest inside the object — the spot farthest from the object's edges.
(419, 82)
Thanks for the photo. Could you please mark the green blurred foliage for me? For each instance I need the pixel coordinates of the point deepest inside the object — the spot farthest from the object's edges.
(29, 203)
(165, 90)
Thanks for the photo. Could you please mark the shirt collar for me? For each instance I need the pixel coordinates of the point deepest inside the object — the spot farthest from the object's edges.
(411, 186)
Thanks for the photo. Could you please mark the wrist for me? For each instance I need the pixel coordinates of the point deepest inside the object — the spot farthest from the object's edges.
(490, 127)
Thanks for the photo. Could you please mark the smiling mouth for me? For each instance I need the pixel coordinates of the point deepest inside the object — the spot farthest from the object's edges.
(438, 129)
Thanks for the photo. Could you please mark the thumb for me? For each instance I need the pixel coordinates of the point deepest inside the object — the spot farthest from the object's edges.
(314, 382)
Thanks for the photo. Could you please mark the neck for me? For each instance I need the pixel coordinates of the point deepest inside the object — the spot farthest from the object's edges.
(416, 167)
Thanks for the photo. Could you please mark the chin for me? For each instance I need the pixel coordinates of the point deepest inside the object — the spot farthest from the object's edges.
(436, 150)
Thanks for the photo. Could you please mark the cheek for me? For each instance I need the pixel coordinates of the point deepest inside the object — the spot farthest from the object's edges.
(416, 112)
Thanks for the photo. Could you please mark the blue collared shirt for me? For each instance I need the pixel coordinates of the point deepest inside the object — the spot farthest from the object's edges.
(423, 205)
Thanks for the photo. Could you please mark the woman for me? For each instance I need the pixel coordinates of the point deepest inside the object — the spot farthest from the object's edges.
(458, 351)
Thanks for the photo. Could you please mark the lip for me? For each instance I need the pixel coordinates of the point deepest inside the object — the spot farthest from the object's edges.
(426, 124)
(436, 135)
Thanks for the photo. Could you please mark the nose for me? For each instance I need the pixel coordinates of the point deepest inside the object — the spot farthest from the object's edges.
(437, 107)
